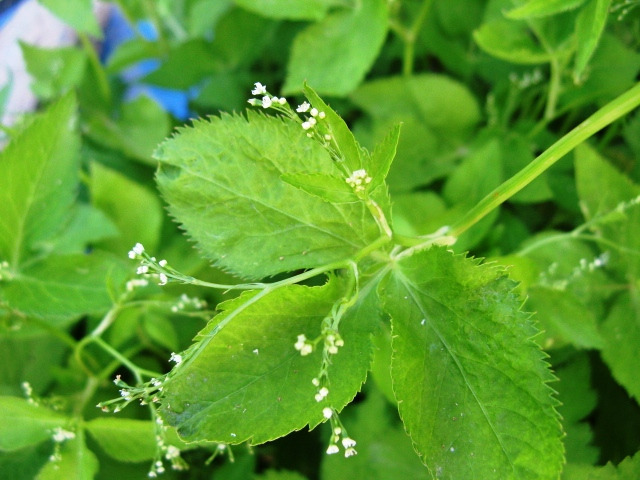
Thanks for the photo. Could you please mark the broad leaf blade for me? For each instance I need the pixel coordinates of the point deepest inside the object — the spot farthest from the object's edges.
(23, 423)
(334, 54)
(76, 462)
(39, 171)
(222, 180)
(589, 28)
(470, 383)
(383, 156)
(124, 439)
(246, 381)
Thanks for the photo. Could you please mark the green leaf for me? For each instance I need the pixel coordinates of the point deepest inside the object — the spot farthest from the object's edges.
(510, 40)
(384, 450)
(133, 208)
(63, 287)
(141, 125)
(334, 54)
(543, 8)
(222, 180)
(131, 52)
(589, 28)
(289, 9)
(564, 319)
(87, 227)
(280, 475)
(346, 143)
(76, 462)
(621, 331)
(627, 470)
(39, 169)
(247, 382)
(437, 115)
(55, 71)
(470, 383)
(78, 14)
(383, 156)
(329, 188)
(161, 330)
(23, 423)
(124, 439)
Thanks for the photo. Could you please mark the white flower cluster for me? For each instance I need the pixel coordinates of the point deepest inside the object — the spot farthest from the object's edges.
(358, 179)
(61, 435)
(266, 101)
(347, 442)
(187, 302)
(332, 342)
(303, 345)
(314, 115)
(528, 79)
(150, 267)
(175, 358)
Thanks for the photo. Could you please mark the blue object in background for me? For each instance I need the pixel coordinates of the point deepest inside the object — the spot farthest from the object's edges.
(117, 31)
(7, 9)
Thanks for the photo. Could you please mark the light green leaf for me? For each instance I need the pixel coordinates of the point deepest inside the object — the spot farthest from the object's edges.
(55, 71)
(621, 331)
(334, 54)
(222, 180)
(87, 226)
(470, 383)
(39, 169)
(78, 14)
(564, 319)
(346, 143)
(63, 287)
(141, 125)
(543, 8)
(589, 28)
(247, 382)
(627, 470)
(124, 439)
(23, 423)
(510, 40)
(133, 208)
(288, 9)
(76, 462)
(329, 188)
(131, 52)
(383, 156)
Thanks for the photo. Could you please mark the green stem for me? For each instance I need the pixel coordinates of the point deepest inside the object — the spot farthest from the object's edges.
(410, 36)
(603, 117)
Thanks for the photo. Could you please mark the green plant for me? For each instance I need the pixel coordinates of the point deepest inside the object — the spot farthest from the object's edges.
(339, 249)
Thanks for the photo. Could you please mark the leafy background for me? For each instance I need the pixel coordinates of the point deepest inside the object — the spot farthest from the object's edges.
(481, 88)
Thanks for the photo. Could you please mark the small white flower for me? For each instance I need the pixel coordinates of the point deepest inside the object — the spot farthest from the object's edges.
(172, 452)
(259, 90)
(253, 101)
(137, 249)
(162, 263)
(266, 102)
(327, 412)
(332, 449)
(313, 112)
(327, 136)
(316, 382)
(162, 279)
(322, 115)
(348, 442)
(337, 431)
(282, 100)
(307, 349)
(332, 350)
(303, 107)
(350, 452)
(306, 125)
(142, 270)
(312, 121)
(60, 435)
(175, 358)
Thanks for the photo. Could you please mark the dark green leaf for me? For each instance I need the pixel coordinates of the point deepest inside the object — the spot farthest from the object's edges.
(470, 383)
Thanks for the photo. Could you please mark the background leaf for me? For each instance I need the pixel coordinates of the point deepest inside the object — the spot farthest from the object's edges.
(471, 385)
(334, 54)
(40, 173)
(124, 439)
(23, 423)
(76, 462)
(589, 28)
(222, 182)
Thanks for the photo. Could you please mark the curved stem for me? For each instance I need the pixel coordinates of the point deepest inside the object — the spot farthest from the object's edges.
(603, 117)
(410, 37)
